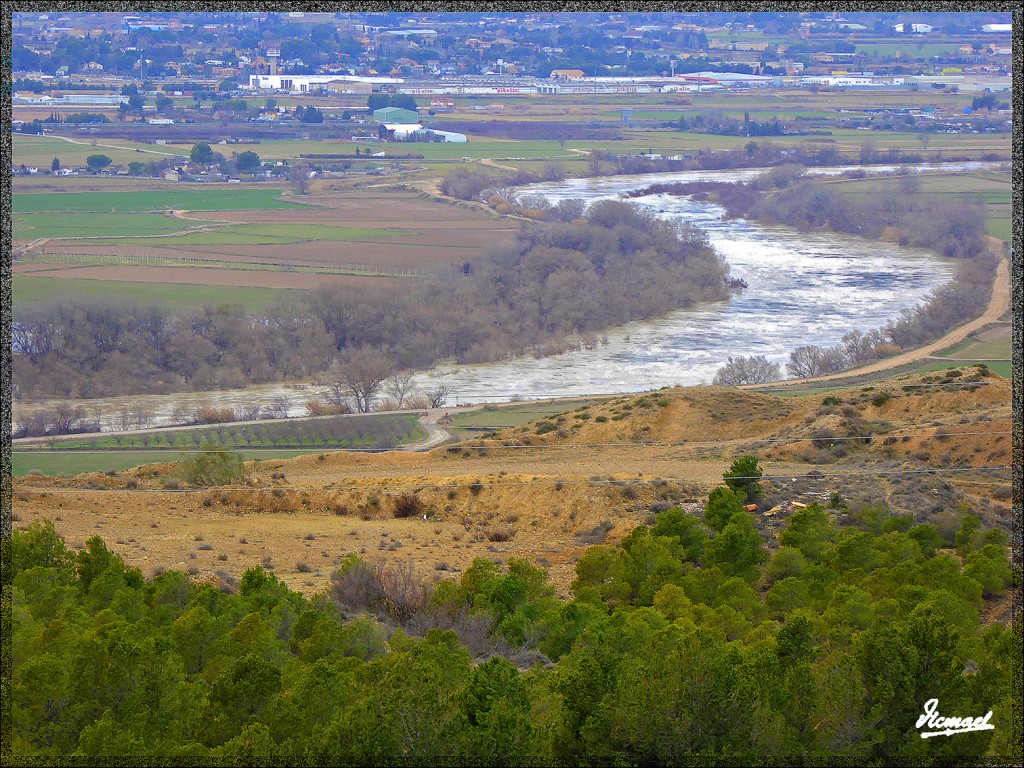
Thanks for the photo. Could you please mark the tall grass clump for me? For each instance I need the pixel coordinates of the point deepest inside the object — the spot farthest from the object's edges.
(213, 465)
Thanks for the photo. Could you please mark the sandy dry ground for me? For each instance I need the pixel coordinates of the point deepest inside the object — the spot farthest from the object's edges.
(518, 494)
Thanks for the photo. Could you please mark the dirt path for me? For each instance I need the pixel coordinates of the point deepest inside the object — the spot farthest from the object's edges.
(997, 306)
(114, 146)
(429, 420)
(493, 164)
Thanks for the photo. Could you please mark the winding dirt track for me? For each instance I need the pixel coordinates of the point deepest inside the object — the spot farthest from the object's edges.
(997, 306)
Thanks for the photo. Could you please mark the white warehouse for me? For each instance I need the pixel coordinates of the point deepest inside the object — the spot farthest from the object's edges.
(304, 83)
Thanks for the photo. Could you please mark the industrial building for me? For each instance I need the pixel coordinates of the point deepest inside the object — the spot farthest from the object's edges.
(395, 115)
(307, 83)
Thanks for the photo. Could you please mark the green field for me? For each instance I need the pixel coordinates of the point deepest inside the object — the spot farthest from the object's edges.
(513, 415)
(264, 234)
(39, 151)
(910, 49)
(67, 463)
(221, 199)
(28, 226)
(27, 289)
(267, 440)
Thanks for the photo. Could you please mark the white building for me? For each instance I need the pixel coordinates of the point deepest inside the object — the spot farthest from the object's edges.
(920, 29)
(401, 130)
(448, 136)
(304, 83)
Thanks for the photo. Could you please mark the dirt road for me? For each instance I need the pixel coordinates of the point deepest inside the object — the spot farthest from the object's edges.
(114, 146)
(997, 306)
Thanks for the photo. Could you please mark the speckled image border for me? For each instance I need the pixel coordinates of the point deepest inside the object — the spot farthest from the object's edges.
(1016, 265)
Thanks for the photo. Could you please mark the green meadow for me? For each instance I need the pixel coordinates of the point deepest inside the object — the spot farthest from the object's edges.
(219, 199)
(69, 463)
(27, 289)
(264, 234)
(28, 226)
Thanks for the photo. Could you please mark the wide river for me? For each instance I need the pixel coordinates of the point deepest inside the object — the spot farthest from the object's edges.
(803, 289)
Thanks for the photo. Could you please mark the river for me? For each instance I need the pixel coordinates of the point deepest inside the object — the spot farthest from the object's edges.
(804, 288)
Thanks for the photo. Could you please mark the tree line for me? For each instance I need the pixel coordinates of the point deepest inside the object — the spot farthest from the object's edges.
(612, 265)
(693, 636)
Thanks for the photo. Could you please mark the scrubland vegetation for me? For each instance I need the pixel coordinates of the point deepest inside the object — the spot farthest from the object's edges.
(693, 636)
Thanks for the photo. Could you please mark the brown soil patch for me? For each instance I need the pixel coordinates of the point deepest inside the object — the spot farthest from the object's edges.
(518, 493)
(471, 505)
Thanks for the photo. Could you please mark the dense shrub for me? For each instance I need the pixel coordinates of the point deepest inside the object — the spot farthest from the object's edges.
(213, 465)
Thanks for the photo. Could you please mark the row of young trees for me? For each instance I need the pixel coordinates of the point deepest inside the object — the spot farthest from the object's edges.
(614, 264)
(692, 637)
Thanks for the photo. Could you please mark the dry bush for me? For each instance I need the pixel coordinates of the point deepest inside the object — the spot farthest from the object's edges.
(206, 414)
(595, 535)
(499, 534)
(394, 590)
(321, 408)
(408, 505)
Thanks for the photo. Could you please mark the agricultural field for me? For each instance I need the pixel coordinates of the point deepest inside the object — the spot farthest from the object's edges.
(70, 463)
(268, 440)
(994, 189)
(39, 151)
(253, 241)
(205, 199)
(29, 288)
(28, 226)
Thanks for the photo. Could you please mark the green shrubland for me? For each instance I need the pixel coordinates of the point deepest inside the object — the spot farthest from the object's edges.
(684, 640)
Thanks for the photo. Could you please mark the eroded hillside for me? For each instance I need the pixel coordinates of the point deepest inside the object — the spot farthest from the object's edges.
(549, 489)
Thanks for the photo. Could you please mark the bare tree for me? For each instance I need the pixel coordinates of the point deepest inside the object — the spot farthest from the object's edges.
(362, 373)
(183, 414)
(122, 418)
(806, 362)
(438, 395)
(399, 387)
(746, 370)
(142, 416)
(279, 407)
(300, 177)
(248, 412)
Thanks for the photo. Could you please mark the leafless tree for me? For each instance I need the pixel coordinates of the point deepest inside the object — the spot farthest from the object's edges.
(362, 374)
(142, 416)
(278, 407)
(746, 370)
(808, 361)
(248, 412)
(438, 395)
(399, 387)
(183, 414)
(299, 176)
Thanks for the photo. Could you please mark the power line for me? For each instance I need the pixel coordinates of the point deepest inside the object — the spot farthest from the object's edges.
(519, 483)
(546, 446)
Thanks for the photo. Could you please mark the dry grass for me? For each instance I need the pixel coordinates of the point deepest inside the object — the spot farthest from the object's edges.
(538, 504)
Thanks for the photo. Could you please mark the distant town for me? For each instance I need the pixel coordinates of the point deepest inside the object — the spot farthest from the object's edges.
(389, 77)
